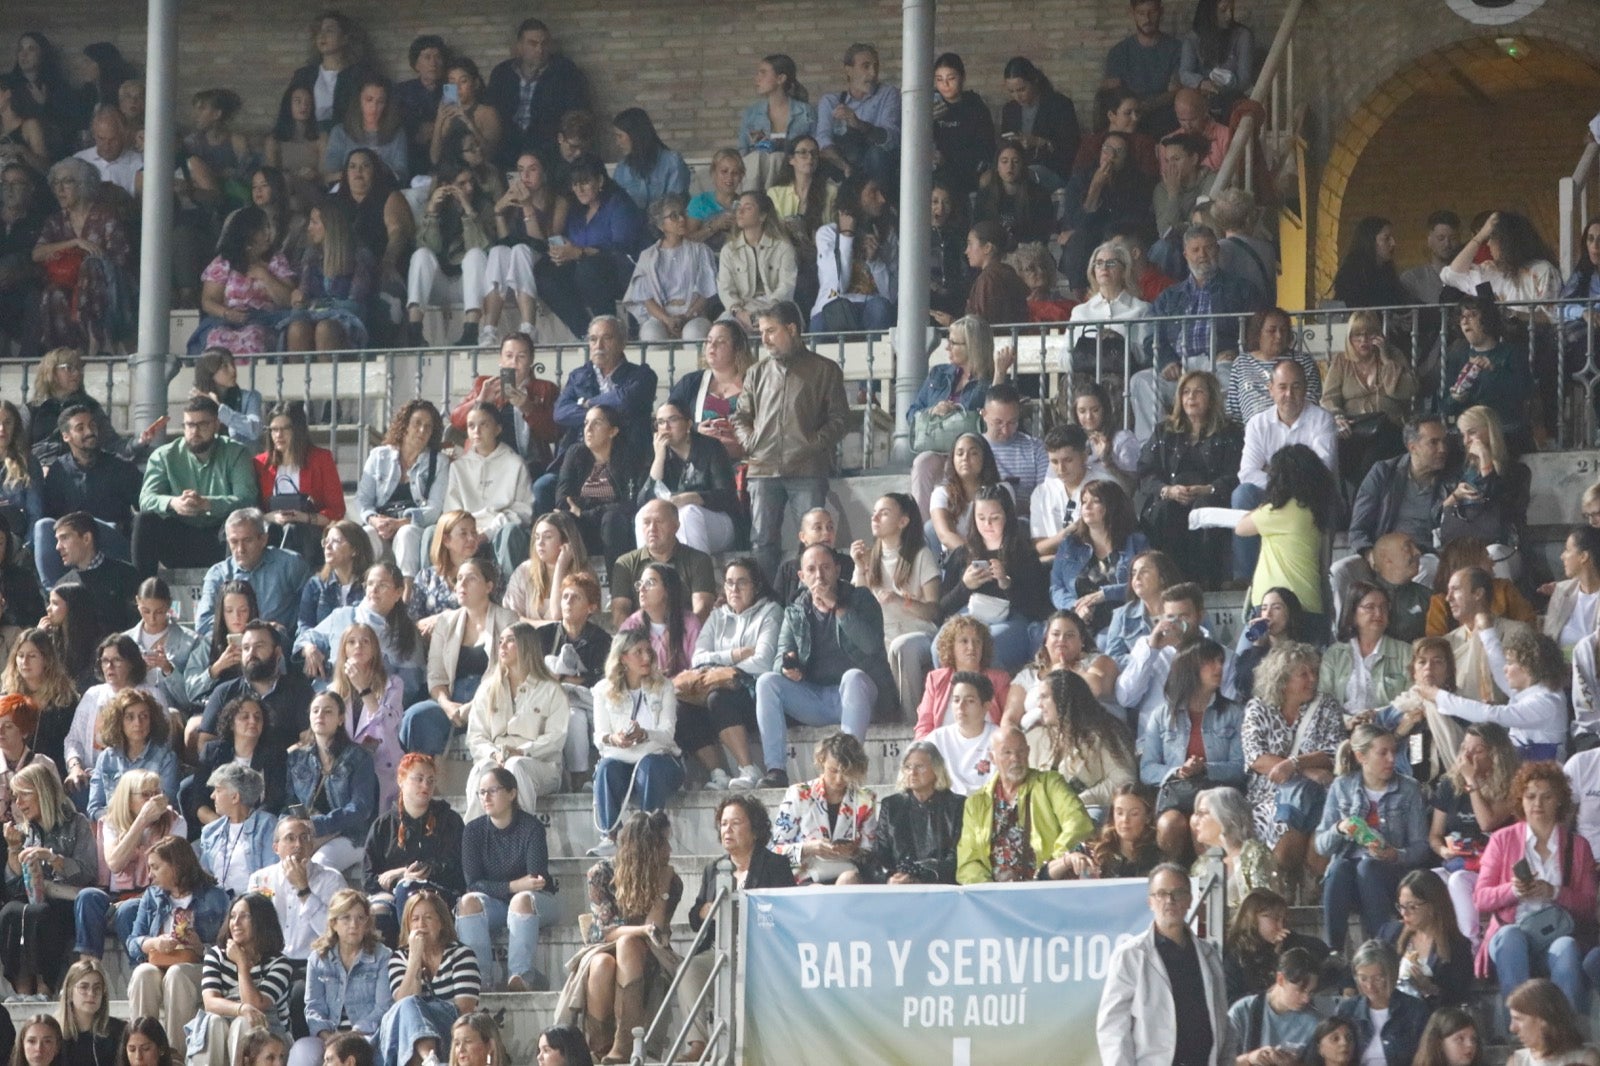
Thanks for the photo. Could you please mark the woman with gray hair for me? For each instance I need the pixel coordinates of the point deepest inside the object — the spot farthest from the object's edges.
(239, 842)
(960, 386)
(1112, 299)
(1377, 970)
(675, 279)
(1290, 736)
(1222, 819)
(919, 826)
(87, 260)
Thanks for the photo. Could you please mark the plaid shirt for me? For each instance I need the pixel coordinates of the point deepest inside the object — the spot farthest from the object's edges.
(525, 90)
(1023, 462)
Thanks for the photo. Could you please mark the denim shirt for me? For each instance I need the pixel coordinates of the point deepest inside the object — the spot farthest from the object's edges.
(258, 830)
(326, 634)
(936, 389)
(381, 476)
(320, 598)
(351, 786)
(1128, 623)
(1074, 555)
(360, 994)
(802, 121)
(277, 580)
(1402, 817)
(155, 908)
(112, 763)
(1166, 744)
(25, 498)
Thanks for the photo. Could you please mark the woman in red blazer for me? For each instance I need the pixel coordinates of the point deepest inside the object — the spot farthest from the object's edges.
(300, 484)
(1560, 873)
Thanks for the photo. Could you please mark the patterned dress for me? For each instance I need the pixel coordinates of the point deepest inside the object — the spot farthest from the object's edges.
(91, 310)
(603, 906)
(1267, 732)
(242, 292)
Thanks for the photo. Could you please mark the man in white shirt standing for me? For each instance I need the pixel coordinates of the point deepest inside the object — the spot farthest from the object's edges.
(1291, 420)
(112, 155)
(300, 890)
(964, 739)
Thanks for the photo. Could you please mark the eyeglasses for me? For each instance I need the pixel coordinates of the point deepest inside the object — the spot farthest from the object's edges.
(674, 216)
(1170, 895)
(737, 583)
(63, 183)
(1410, 908)
(670, 420)
(485, 793)
(648, 583)
(1107, 264)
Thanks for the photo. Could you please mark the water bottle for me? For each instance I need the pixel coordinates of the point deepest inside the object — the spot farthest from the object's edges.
(32, 887)
(1362, 833)
(1256, 630)
(1464, 382)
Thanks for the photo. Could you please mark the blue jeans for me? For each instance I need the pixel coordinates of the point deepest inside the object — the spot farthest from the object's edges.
(389, 908)
(89, 912)
(544, 494)
(522, 932)
(656, 778)
(1512, 955)
(47, 561)
(426, 727)
(873, 313)
(1300, 803)
(410, 1020)
(1358, 881)
(847, 705)
(1246, 549)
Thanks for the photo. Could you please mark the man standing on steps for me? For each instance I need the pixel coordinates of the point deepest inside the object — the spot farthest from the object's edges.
(830, 667)
(190, 487)
(1164, 1002)
(790, 420)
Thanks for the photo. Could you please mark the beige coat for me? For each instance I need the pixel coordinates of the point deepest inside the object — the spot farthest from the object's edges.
(752, 280)
(792, 415)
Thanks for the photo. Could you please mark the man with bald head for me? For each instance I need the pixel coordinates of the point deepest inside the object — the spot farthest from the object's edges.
(113, 154)
(1194, 119)
(1020, 825)
(658, 521)
(830, 668)
(1396, 568)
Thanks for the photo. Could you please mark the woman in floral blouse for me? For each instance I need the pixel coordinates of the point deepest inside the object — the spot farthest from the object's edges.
(246, 290)
(827, 828)
(1290, 736)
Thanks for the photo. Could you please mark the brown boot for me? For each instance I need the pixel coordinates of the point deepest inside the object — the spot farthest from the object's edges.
(596, 1035)
(630, 1013)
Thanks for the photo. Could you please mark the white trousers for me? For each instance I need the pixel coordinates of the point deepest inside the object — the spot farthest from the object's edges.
(510, 269)
(534, 777)
(429, 286)
(406, 545)
(693, 330)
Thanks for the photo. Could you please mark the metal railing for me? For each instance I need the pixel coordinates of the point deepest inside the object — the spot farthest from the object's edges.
(718, 986)
(1573, 195)
(1208, 915)
(351, 396)
(1274, 90)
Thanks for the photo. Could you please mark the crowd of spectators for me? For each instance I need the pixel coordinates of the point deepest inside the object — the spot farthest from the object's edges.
(249, 802)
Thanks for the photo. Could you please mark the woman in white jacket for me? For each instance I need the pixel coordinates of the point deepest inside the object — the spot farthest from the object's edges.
(635, 722)
(858, 260)
(490, 482)
(518, 720)
(735, 646)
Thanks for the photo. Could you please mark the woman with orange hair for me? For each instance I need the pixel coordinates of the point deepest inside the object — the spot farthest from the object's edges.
(19, 716)
(415, 844)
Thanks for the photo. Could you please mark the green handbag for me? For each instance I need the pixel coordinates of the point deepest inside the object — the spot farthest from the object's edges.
(938, 433)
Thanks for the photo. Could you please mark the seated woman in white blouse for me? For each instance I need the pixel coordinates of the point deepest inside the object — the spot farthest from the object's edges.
(902, 573)
(519, 720)
(1529, 667)
(1111, 300)
(675, 278)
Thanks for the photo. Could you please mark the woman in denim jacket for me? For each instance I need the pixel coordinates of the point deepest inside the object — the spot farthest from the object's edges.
(1195, 704)
(347, 979)
(333, 778)
(401, 491)
(1366, 875)
(236, 795)
(182, 910)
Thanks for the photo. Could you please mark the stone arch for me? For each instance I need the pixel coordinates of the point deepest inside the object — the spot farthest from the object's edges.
(1473, 73)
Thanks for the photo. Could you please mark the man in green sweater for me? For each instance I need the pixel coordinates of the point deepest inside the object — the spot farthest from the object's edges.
(190, 488)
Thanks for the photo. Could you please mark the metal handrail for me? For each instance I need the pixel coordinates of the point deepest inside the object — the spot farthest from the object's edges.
(1211, 901)
(1280, 55)
(1572, 196)
(720, 918)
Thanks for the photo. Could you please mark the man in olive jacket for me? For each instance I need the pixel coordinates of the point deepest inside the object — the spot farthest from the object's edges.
(790, 419)
(830, 667)
(1040, 819)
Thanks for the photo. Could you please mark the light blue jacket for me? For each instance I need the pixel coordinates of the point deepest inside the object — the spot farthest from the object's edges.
(1402, 817)
(671, 174)
(381, 476)
(325, 635)
(244, 422)
(210, 907)
(802, 120)
(360, 994)
(1128, 623)
(258, 830)
(1166, 744)
(112, 763)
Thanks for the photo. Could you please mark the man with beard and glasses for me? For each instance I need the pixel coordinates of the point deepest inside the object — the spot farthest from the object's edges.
(1214, 301)
(1020, 825)
(286, 697)
(190, 488)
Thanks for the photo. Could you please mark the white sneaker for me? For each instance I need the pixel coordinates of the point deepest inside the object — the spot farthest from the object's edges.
(749, 777)
(718, 781)
(603, 850)
(527, 327)
(488, 337)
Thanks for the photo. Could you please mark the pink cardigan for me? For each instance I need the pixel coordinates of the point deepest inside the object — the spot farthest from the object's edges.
(1495, 896)
(936, 698)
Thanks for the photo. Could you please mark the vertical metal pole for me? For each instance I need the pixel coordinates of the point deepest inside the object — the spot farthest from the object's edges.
(149, 400)
(722, 995)
(916, 217)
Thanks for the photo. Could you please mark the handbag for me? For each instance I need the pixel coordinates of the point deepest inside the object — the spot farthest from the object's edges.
(939, 433)
(1545, 926)
(61, 270)
(696, 686)
(1178, 793)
